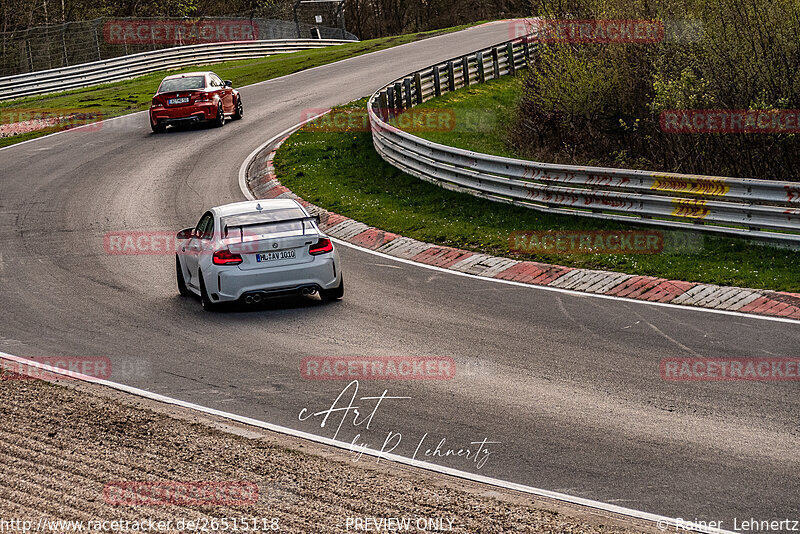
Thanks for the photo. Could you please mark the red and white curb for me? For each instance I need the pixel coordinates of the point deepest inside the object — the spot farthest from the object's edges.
(258, 178)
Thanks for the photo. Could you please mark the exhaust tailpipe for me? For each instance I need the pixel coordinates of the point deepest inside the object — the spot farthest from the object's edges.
(256, 298)
(308, 291)
(248, 299)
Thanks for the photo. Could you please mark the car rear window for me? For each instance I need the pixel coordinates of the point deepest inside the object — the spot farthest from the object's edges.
(182, 84)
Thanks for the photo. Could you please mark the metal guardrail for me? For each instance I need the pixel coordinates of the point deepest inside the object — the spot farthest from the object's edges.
(122, 68)
(762, 209)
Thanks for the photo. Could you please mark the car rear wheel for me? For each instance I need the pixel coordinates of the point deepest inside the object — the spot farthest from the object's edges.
(157, 127)
(182, 289)
(220, 120)
(239, 109)
(336, 293)
(205, 300)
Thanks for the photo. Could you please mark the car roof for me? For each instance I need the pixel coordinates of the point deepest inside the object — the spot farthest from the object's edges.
(186, 75)
(254, 206)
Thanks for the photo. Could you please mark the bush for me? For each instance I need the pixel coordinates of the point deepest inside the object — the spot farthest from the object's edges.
(592, 103)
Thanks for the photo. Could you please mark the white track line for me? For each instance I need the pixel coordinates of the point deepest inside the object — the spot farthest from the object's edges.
(663, 522)
(249, 195)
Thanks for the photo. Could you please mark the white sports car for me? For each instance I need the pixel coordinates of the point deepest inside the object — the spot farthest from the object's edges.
(253, 250)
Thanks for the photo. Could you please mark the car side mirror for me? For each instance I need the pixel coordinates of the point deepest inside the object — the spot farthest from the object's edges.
(186, 233)
(228, 83)
(316, 219)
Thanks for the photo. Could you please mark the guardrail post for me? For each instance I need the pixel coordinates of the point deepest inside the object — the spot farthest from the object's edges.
(407, 88)
(30, 54)
(465, 70)
(437, 83)
(390, 101)
(527, 49)
(398, 95)
(451, 76)
(97, 42)
(512, 69)
(418, 86)
(64, 44)
(481, 74)
(495, 64)
(383, 105)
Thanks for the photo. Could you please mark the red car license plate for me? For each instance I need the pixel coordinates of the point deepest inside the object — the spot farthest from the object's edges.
(178, 100)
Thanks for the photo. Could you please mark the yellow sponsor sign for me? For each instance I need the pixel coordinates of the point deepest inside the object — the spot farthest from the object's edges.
(696, 186)
(692, 209)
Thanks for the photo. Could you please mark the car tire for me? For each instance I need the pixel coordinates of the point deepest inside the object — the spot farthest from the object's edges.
(158, 127)
(220, 120)
(239, 113)
(336, 293)
(205, 300)
(182, 289)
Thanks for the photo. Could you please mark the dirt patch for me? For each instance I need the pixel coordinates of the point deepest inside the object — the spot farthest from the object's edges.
(63, 446)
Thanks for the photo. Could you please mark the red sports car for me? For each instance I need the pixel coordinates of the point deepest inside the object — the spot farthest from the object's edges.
(194, 97)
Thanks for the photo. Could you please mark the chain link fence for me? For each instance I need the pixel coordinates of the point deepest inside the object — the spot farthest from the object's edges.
(73, 43)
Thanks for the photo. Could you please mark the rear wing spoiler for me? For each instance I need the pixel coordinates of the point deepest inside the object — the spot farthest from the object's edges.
(245, 224)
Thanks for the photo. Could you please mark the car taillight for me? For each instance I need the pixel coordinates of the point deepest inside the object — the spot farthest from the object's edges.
(204, 97)
(226, 257)
(156, 101)
(321, 247)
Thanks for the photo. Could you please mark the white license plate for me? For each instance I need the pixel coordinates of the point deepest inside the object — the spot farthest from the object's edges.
(273, 256)
(182, 100)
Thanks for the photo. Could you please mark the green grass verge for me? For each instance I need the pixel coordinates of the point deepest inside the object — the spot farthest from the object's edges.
(341, 171)
(483, 115)
(120, 98)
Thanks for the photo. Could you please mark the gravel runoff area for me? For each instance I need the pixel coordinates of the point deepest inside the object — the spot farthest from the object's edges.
(65, 445)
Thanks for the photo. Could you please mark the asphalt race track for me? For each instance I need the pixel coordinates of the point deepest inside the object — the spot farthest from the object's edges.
(568, 385)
